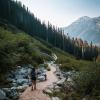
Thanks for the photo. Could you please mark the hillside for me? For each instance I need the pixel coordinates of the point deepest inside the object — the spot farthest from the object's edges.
(85, 28)
(17, 48)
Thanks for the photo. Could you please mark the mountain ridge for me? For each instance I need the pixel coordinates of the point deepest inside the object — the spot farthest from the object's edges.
(85, 27)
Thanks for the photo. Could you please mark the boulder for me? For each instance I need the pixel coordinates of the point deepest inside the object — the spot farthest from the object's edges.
(41, 78)
(69, 79)
(2, 95)
(6, 90)
(47, 91)
(58, 73)
(22, 81)
(57, 87)
(61, 76)
(55, 98)
(13, 88)
(22, 88)
(14, 84)
(11, 93)
(50, 86)
(60, 83)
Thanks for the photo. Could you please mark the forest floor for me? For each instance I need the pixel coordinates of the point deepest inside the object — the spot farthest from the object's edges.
(38, 93)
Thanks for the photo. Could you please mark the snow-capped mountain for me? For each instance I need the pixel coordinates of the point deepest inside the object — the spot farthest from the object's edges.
(86, 28)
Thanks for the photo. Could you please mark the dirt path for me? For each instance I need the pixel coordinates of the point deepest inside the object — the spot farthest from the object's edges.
(38, 94)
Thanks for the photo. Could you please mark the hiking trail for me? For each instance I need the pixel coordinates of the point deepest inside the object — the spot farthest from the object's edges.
(38, 93)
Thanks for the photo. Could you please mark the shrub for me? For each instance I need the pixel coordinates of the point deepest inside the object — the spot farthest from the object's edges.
(88, 81)
(46, 66)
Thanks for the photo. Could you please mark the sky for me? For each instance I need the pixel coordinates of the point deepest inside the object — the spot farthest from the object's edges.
(62, 12)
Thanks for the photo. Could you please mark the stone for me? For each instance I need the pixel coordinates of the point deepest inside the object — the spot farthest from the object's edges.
(18, 66)
(2, 95)
(13, 94)
(41, 78)
(14, 84)
(58, 73)
(50, 86)
(54, 56)
(60, 83)
(57, 87)
(69, 79)
(47, 91)
(13, 88)
(22, 81)
(55, 98)
(22, 88)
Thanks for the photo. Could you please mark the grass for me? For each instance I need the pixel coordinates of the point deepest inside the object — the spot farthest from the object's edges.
(69, 62)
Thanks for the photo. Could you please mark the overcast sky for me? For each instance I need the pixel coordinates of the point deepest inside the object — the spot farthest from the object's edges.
(63, 12)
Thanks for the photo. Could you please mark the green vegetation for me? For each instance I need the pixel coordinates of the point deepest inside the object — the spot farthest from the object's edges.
(20, 48)
(69, 62)
(87, 82)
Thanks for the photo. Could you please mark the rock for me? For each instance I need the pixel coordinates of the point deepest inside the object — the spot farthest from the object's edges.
(50, 87)
(69, 79)
(2, 95)
(13, 88)
(14, 84)
(65, 75)
(60, 83)
(6, 90)
(22, 81)
(55, 98)
(41, 78)
(22, 88)
(58, 73)
(57, 87)
(84, 99)
(11, 75)
(54, 56)
(11, 93)
(47, 91)
(61, 76)
(18, 66)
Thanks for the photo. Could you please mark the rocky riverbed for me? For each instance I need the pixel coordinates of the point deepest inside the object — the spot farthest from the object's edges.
(19, 81)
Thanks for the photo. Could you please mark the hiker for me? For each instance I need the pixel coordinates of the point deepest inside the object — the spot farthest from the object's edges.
(33, 78)
(45, 76)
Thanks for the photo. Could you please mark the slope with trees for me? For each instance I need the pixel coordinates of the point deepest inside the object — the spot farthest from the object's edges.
(20, 16)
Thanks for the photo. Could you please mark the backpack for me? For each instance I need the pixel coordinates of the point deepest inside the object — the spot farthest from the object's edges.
(33, 74)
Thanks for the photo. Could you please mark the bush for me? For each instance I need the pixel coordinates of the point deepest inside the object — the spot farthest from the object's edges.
(46, 66)
(88, 81)
(67, 67)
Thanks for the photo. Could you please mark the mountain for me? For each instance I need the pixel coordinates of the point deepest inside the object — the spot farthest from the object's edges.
(86, 28)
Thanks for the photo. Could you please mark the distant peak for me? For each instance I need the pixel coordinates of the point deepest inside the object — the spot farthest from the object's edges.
(85, 18)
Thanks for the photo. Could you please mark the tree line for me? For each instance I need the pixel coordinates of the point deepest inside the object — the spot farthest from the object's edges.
(19, 15)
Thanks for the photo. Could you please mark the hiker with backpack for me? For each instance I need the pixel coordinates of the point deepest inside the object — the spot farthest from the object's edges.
(33, 78)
